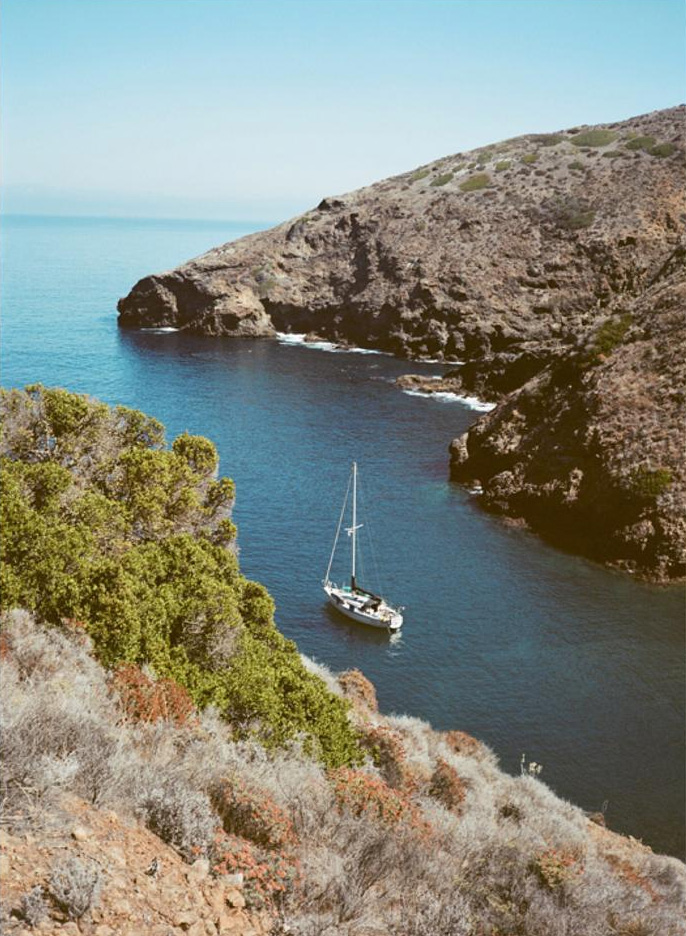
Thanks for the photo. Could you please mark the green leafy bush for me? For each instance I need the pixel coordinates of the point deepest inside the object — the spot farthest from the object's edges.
(420, 174)
(594, 138)
(104, 525)
(529, 158)
(476, 182)
(503, 165)
(443, 179)
(613, 154)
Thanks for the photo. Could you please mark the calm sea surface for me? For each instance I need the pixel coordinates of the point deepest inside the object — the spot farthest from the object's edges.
(529, 649)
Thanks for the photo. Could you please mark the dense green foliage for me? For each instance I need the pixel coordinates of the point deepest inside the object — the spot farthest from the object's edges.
(105, 525)
(593, 138)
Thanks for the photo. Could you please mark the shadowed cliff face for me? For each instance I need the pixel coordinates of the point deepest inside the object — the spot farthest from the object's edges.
(516, 259)
(589, 451)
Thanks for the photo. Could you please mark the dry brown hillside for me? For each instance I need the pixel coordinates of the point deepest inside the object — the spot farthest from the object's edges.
(119, 819)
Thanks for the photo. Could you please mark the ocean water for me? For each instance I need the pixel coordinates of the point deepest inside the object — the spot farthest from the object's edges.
(532, 650)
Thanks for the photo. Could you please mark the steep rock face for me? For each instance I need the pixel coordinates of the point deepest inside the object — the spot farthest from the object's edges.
(588, 452)
(514, 261)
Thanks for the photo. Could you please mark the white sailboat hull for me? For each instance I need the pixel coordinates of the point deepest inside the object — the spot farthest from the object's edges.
(357, 606)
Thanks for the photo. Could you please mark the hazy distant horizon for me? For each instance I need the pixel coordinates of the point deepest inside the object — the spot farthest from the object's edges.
(222, 109)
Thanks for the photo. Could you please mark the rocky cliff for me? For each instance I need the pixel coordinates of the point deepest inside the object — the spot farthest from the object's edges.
(551, 267)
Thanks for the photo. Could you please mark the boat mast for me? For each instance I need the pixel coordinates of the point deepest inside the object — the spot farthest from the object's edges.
(355, 527)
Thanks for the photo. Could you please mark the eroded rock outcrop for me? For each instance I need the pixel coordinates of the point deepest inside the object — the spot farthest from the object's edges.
(550, 266)
(590, 451)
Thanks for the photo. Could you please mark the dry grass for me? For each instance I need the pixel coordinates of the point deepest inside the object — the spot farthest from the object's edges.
(465, 849)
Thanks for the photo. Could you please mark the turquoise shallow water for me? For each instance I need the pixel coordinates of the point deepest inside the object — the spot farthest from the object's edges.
(532, 650)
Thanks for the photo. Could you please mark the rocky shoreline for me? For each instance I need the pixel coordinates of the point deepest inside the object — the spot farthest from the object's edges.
(551, 265)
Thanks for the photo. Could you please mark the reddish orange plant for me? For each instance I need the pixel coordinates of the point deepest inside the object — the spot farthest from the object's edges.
(146, 700)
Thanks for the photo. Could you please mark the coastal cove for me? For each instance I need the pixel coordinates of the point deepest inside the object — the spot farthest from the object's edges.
(527, 648)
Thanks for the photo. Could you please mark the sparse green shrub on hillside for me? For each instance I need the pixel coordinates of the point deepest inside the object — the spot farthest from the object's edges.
(651, 482)
(649, 145)
(442, 179)
(549, 139)
(662, 149)
(503, 165)
(593, 138)
(476, 182)
(569, 212)
(611, 333)
(529, 158)
(576, 165)
(641, 143)
(104, 525)
(613, 154)
(420, 174)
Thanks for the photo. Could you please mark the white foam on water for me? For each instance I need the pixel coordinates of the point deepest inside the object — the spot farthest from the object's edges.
(162, 330)
(293, 338)
(473, 403)
(430, 360)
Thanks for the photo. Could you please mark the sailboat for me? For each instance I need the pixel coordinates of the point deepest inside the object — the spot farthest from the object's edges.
(352, 600)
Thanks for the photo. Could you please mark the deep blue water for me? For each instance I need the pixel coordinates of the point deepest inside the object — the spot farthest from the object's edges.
(532, 650)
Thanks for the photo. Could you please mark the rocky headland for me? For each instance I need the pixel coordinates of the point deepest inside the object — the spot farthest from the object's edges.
(549, 270)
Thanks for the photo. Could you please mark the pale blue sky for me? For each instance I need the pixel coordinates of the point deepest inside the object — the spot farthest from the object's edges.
(258, 108)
